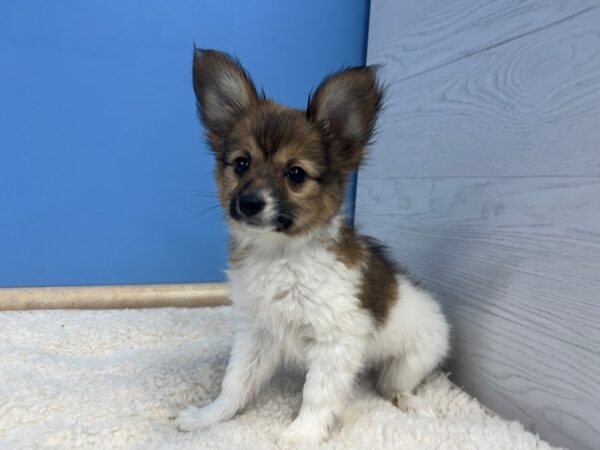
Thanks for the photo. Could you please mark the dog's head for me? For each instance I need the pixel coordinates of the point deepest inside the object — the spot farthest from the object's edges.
(280, 169)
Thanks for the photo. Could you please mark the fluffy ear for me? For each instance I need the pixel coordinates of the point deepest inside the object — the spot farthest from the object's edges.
(346, 106)
(224, 91)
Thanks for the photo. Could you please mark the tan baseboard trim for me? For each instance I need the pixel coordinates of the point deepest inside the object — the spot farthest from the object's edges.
(114, 297)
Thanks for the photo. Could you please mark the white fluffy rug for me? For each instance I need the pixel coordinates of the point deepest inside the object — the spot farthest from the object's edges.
(113, 379)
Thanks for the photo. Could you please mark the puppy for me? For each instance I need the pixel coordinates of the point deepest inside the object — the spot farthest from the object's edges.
(306, 288)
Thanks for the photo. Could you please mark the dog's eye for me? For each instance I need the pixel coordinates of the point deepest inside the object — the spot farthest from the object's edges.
(241, 165)
(296, 175)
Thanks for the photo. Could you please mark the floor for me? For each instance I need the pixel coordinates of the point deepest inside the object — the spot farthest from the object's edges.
(115, 379)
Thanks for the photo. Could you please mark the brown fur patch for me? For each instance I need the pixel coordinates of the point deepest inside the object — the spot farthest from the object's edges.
(348, 248)
(379, 287)
(224, 90)
(346, 105)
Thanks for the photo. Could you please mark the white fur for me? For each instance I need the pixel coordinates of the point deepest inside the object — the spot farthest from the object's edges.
(296, 303)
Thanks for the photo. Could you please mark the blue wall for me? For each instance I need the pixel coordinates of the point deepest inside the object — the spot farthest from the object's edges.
(104, 176)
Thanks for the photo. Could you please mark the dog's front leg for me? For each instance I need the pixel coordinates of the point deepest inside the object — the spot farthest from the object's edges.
(253, 360)
(332, 368)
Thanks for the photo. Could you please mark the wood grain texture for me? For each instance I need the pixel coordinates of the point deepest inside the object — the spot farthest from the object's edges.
(515, 262)
(527, 106)
(413, 37)
(485, 182)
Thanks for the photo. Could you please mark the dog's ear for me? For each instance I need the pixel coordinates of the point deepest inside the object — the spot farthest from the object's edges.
(223, 89)
(345, 106)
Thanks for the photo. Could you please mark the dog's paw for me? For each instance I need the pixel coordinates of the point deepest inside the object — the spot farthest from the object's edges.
(191, 418)
(412, 404)
(297, 435)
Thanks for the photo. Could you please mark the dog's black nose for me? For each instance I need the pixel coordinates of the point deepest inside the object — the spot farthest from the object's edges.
(250, 204)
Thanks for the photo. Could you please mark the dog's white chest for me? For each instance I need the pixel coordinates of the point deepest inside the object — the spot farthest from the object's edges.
(300, 297)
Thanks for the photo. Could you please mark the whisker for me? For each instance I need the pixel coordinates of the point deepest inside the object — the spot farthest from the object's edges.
(205, 210)
(211, 216)
(200, 191)
(203, 194)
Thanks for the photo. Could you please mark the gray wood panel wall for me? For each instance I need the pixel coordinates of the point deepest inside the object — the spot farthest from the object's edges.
(485, 182)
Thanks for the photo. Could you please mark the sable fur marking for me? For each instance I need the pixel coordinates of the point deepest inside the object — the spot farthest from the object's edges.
(307, 290)
(379, 288)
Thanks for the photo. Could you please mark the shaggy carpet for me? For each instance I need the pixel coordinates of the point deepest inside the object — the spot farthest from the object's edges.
(115, 379)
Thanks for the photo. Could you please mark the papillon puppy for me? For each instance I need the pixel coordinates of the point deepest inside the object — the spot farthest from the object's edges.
(306, 289)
